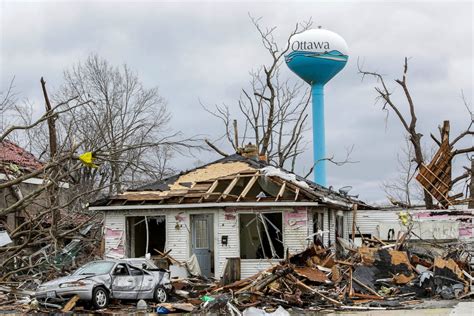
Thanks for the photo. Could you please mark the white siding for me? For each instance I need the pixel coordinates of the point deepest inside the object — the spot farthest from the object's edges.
(228, 225)
(294, 236)
(177, 234)
(114, 235)
(249, 267)
(332, 226)
(347, 224)
(368, 220)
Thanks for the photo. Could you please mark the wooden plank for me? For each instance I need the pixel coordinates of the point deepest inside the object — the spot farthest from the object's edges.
(228, 189)
(281, 192)
(248, 187)
(209, 191)
(70, 304)
(297, 193)
(437, 197)
(231, 271)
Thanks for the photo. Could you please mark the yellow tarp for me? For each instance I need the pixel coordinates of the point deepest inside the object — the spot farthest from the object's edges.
(88, 159)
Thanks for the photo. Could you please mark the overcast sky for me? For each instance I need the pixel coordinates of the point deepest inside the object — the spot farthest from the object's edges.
(203, 51)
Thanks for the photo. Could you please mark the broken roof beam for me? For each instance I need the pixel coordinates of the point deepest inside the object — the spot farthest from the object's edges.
(281, 192)
(229, 188)
(248, 187)
(209, 191)
(297, 193)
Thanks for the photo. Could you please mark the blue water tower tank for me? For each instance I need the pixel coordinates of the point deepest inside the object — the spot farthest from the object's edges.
(316, 56)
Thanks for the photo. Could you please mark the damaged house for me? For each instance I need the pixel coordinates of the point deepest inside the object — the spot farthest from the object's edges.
(235, 207)
(16, 162)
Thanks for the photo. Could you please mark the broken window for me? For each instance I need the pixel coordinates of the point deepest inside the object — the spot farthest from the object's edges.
(201, 234)
(261, 235)
(146, 234)
(339, 226)
(318, 226)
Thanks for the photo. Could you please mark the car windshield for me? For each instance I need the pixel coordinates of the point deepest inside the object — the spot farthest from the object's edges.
(95, 268)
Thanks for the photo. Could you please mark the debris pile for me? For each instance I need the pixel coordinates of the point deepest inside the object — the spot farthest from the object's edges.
(36, 256)
(373, 276)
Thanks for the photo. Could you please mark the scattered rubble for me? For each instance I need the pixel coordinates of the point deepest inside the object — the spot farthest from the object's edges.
(374, 276)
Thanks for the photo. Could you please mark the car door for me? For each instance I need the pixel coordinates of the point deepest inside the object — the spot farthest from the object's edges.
(124, 285)
(149, 283)
(140, 279)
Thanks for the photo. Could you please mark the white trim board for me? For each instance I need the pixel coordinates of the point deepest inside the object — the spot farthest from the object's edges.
(200, 205)
(36, 181)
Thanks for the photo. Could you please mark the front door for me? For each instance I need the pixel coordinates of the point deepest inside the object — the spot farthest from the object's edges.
(201, 231)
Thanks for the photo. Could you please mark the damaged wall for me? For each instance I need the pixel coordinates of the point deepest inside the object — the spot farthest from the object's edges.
(440, 224)
(114, 235)
(297, 226)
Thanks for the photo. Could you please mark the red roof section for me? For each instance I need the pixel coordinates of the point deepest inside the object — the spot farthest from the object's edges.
(12, 153)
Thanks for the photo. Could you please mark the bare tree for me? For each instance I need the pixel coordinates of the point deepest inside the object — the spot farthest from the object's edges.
(274, 109)
(403, 190)
(127, 123)
(40, 231)
(8, 99)
(409, 121)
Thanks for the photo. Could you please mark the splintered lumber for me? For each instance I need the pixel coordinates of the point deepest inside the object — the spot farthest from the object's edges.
(168, 256)
(449, 269)
(362, 308)
(231, 271)
(272, 277)
(335, 302)
(70, 304)
(367, 296)
(311, 274)
(402, 279)
(366, 287)
(187, 307)
(281, 192)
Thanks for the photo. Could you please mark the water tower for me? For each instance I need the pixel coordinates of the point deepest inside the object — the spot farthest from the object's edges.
(316, 56)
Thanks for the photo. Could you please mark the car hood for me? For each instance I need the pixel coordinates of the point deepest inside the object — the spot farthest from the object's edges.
(71, 278)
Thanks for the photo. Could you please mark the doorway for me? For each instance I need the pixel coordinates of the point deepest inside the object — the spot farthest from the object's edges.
(202, 242)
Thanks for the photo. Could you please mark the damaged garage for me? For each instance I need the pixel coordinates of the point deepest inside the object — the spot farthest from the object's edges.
(235, 207)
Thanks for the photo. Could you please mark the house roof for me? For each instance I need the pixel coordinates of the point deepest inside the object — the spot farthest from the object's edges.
(231, 179)
(11, 153)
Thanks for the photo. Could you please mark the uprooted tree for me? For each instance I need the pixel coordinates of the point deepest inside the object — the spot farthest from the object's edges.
(408, 118)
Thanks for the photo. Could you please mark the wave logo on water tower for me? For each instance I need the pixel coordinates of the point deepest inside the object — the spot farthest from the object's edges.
(317, 55)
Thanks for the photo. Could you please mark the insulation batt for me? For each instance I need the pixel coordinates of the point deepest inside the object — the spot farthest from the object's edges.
(271, 171)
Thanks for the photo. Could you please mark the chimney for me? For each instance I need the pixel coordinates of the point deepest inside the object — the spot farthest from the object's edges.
(250, 151)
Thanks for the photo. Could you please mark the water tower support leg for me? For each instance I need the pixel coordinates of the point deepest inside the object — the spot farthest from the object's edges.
(319, 144)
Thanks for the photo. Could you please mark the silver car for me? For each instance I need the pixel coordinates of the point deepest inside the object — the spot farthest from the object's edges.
(99, 281)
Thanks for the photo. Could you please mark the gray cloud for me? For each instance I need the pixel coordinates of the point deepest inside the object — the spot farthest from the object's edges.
(203, 51)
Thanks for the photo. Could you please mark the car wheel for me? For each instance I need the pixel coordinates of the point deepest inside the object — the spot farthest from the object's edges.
(160, 295)
(100, 298)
